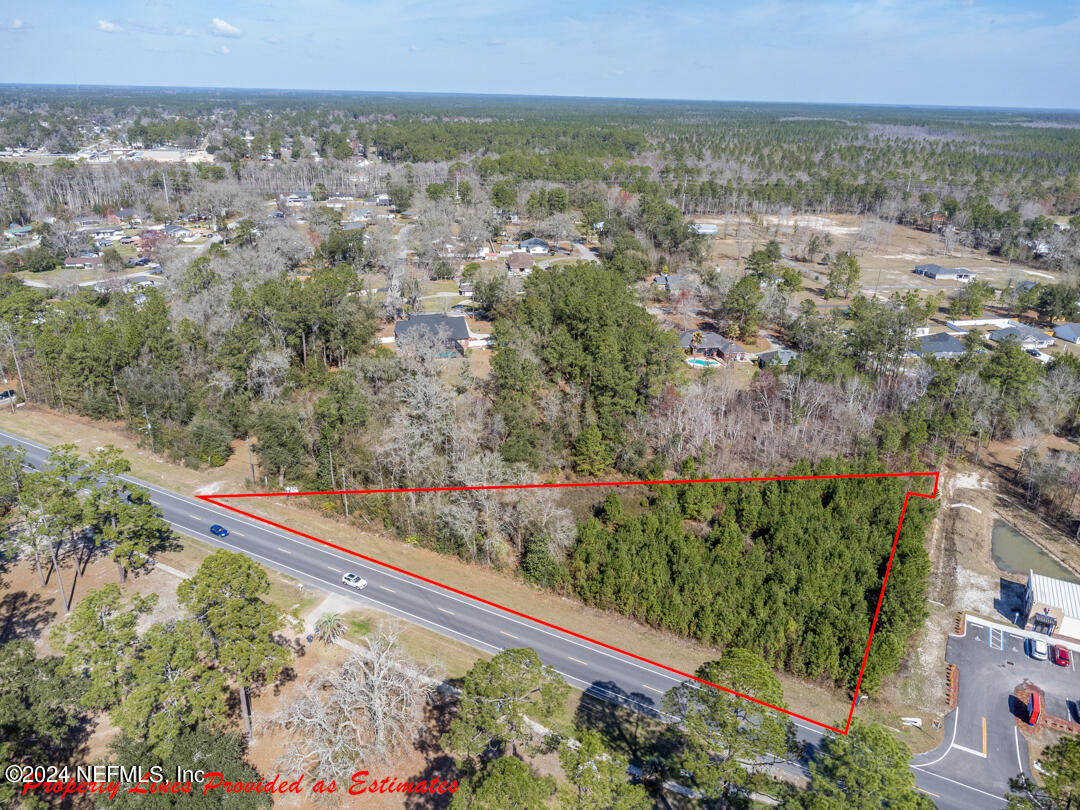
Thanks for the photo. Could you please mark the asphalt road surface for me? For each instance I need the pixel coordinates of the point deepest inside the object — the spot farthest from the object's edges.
(983, 748)
(608, 675)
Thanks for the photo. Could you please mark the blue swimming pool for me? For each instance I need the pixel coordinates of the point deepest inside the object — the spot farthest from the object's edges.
(697, 361)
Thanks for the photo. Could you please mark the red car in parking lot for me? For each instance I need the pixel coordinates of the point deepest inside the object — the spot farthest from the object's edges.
(1061, 656)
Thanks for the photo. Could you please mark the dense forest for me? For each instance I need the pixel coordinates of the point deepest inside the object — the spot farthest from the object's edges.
(712, 156)
(788, 570)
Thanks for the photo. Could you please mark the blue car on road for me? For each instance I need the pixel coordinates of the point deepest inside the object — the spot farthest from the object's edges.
(219, 531)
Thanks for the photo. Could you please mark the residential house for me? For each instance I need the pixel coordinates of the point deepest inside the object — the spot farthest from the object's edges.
(673, 283)
(382, 199)
(354, 226)
(177, 231)
(535, 246)
(519, 264)
(1029, 337)
(703, 228)
(108, 232)
(130, 215)
(18, 231)
(1025, 286)
(82, 262)
(1053, 607)
(451, 328)
(86, 222)
(776, 357)
(1068, 331)
(939, 273)
(941, 345)
(713, 344)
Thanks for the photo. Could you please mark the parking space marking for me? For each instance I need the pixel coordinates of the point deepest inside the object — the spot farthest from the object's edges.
(984, 736)
(996, 639)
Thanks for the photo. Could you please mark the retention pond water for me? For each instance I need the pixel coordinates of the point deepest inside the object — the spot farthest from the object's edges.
(1016, 554)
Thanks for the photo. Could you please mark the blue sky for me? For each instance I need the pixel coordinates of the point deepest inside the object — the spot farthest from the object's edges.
(950, 52)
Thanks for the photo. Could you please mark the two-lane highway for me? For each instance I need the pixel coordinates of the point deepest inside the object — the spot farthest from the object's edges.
(606, 674)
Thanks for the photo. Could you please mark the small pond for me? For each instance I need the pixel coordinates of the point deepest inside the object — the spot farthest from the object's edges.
(1016, 554)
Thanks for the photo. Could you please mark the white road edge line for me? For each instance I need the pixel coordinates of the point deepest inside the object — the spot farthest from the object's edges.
(956, 724)
(961, 784)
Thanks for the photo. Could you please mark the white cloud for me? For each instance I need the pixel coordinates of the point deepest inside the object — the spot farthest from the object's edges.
(273, 39)
(223, 51)
(109, 27)
(16, 24)
(220, 28)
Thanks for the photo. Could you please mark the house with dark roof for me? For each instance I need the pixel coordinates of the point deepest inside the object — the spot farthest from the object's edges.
(449, 328)
(535, 246)
(939, 273)
(713, 344)
(1068, 331)
(941, 345)
(1025, 286)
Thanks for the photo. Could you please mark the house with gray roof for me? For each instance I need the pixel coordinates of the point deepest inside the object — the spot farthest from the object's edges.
(713, 344)
(451, 328)
(1029, 337)
(941, 345)
(776, 357)
(939, 273)
(1068, 331)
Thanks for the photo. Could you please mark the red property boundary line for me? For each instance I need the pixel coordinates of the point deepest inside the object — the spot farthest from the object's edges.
(216, 500)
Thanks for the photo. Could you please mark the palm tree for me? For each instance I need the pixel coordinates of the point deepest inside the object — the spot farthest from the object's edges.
(695, 341)
(330, 627)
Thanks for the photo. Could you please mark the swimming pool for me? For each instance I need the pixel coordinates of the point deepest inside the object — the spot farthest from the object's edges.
(700, 363)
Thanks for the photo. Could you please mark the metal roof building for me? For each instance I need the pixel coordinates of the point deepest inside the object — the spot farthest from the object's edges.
(1053, 607)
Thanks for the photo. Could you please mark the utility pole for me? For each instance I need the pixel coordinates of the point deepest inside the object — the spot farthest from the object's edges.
(165, 184)
(11, 400)
(149, 429)
(345, 494)
(330, 452)
(247, 443)
(10, 335)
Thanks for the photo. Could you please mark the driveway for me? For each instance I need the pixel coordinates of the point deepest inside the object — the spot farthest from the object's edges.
(983, 747)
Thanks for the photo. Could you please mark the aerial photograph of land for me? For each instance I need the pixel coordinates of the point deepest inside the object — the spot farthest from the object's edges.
(479, 407)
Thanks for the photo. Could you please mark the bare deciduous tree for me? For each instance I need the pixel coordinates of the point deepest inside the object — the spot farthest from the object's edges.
(366, 711)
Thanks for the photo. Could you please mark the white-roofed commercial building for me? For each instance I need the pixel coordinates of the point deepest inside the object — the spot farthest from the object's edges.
(1053, 607)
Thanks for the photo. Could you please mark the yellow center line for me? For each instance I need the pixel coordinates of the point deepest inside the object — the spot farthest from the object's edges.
(279, 548)
(984, 736)
(576, 659)
(927, 792)
(387, 589)
(444, 610)
(334, 569)
(653, 688)
(507, 634)
(238, 534)
(193, 516)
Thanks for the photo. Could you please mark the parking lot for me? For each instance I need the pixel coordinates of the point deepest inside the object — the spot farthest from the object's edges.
(983, 748)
